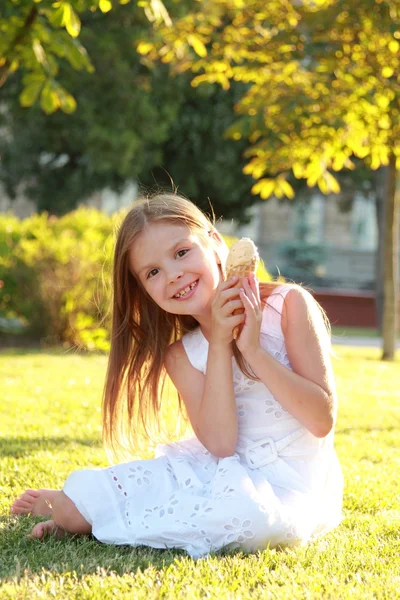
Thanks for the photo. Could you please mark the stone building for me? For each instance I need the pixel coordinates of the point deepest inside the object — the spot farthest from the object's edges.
(339, 247)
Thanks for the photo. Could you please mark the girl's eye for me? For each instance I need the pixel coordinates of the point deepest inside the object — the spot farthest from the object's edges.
(152, 273)
(179, 253)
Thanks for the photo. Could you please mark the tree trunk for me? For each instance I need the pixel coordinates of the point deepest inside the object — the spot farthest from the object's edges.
(391, 266)
(381, 194)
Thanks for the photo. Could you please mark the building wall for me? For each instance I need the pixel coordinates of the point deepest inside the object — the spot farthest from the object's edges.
(350, 238)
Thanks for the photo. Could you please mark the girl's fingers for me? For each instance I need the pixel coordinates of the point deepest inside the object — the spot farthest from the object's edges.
(229, 307)
(235, 320)
(256, 288)
(226, 291)
(228, 283)
(246, 300)
(250, 292)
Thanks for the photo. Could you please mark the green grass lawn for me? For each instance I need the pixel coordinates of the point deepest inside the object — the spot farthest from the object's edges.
(362, 332)
(50, 425)
(365, 332)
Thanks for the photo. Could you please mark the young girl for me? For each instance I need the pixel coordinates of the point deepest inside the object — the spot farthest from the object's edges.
(261, 469)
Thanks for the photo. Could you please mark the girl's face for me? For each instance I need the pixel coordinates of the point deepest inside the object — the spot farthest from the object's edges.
(177, 268)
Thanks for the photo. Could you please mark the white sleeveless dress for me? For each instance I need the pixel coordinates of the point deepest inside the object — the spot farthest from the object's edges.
(283, 486)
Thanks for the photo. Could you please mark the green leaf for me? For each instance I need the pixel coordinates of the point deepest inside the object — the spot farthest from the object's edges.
(264, 187)
(56, 17)
(71, 21)
(286, 188)
(49, 100)
(76, 54)
(105, 6)
(197, 45)
(39, 52)
(394, 46)
(387, 72)
(67, 102)
(144, 48)
(30, 93)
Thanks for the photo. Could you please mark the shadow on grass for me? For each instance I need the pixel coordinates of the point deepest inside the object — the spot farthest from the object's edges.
(21, 446)
(83, 555)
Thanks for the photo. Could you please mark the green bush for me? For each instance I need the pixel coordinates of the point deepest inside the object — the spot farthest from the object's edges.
(55, 277)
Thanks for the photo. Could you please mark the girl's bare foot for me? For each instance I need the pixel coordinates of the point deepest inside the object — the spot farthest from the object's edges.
(34, 502)
(45, 528)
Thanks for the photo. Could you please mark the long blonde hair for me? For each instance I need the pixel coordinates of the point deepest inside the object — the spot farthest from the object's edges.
(142, 331)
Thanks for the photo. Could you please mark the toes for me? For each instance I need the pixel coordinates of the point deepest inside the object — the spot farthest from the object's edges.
(28, 497)
(24, 504)
(21, 506)
(21, 502)
(37, 532)
(17, 509)
(41, 529)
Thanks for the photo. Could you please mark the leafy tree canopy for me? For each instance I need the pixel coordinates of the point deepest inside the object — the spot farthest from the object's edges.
(133, 121)
(323, 81)
(124, 116)
(37, 34)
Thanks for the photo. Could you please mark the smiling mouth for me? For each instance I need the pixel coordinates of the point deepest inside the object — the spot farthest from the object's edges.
(186, 291)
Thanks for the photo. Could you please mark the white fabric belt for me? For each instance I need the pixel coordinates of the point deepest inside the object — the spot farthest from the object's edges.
(267, 450)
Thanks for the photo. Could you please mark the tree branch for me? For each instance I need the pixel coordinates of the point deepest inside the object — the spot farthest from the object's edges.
(30, 19)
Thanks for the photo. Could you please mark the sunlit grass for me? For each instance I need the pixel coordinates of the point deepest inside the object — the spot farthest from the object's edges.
(50, 425)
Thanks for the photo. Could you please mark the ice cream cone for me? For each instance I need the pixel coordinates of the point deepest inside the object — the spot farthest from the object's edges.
(242, 260)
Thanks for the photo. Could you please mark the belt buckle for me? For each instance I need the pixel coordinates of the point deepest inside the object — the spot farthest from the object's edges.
(263, 460)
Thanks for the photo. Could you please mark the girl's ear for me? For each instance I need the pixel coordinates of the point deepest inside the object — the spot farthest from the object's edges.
(218, 241)
(217, 236)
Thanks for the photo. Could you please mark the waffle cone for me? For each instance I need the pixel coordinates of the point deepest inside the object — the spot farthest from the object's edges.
(241, 271)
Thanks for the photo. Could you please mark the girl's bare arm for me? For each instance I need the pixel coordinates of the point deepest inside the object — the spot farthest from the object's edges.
(308, 392)
(209, 399)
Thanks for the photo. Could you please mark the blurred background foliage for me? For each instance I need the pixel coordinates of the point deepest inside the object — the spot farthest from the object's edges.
(134, 122)
(55, 276)
(234, 100)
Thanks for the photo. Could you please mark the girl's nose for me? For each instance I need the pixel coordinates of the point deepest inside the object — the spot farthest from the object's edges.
(174, 276)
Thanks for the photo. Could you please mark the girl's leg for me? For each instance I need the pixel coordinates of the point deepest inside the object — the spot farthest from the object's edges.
(66, 517)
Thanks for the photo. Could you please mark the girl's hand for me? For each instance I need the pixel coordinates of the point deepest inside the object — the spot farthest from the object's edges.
(225, 301)
(249, 338)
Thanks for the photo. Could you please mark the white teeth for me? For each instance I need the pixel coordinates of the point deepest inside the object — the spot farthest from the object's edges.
(185, 291)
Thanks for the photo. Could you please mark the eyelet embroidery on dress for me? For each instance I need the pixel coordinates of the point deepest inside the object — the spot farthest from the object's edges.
(239, 531)
(226, 493)
(170, 471)
(241, 411)
(140, 476)
(128, 513)
(201, 510)
(160, 511)
(272, 406)
(117, 483)
(282, 357)
(241, 383)
(222, 472)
